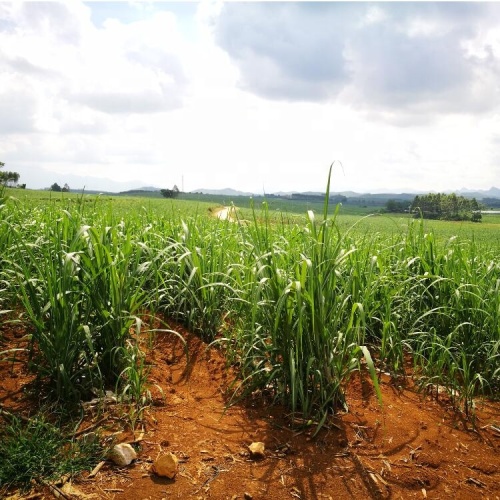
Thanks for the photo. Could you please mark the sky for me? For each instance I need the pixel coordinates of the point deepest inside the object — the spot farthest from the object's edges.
(256, 96)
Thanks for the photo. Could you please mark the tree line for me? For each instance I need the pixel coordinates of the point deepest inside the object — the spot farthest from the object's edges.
(439, 206)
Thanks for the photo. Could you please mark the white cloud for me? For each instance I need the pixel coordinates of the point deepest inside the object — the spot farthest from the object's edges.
(252, 95)
(17, 112)
(406, 56)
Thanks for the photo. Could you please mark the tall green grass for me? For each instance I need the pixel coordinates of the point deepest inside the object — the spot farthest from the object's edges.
(301, 334)
(298, 303)
(81, 288)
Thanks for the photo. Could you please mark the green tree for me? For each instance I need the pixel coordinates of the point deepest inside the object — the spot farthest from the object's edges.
(170, 193)
(8, 178)
(396, 206)
(55, 187)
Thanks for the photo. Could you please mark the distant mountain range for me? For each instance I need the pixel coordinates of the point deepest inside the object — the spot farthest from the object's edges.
(149, 188)
(493, 192)
(224, 192)
(41, 179)
(114, 187)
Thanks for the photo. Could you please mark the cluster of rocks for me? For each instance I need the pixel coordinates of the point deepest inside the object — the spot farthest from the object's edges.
(166, 465)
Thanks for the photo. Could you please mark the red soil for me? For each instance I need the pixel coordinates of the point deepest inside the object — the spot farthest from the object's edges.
(412, 447)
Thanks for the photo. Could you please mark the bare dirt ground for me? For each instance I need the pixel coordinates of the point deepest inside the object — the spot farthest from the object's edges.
(225, 213)
(412, 447)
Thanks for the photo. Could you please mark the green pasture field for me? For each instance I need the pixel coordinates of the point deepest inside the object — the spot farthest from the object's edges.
(351, 217)
(188, 202)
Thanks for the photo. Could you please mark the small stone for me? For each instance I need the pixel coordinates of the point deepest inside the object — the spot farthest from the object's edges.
(247, 496)
(122, 454)
(257, 450)
(166, 465)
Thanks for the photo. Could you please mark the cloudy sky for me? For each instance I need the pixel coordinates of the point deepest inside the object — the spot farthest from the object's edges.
(253, 96)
